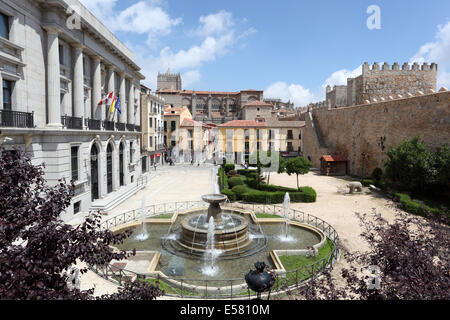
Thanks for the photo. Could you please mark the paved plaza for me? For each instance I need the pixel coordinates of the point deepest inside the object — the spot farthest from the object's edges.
(189, 183)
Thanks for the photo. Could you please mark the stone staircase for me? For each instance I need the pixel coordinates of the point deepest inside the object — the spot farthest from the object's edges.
(115, 198)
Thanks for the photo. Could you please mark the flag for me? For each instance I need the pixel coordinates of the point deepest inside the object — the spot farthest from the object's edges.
(117, 105)
(113, 103)
(106, 100)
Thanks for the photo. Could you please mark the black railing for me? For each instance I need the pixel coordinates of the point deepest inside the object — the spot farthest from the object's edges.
(137, 128)
(72, 122)
(120, 126)
(108, 125)
(93, 124)
(130, 127)
(17, 119)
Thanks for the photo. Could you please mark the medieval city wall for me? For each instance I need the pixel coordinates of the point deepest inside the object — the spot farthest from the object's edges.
(372, 128)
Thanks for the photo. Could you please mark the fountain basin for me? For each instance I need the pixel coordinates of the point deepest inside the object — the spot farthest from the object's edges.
(230, 235)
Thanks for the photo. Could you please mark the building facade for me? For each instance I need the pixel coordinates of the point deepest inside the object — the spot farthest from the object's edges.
(152, 123)
(57, 61)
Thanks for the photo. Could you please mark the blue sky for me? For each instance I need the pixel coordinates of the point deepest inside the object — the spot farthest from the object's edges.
(291, 49)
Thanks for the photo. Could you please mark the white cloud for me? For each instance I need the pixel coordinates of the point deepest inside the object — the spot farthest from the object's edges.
(294, 92)
(190, 77)
(438, 52)
(214, 24)
(340, 77)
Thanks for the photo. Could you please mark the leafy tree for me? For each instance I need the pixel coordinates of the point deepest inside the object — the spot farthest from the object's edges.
(36, 248)
(298, 166)
(412, 255)
(410, 165)
(441, 162)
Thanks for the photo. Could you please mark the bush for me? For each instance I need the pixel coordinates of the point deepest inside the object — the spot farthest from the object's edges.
(273, 188)
(377, 173)
(223, 179)
(230, 194)
(231, 173)
(228, 167)
(252, 183)
(367, 182)
(235, 181)
(414, 207)
(246, 172)
(307, 194)
(239, 190)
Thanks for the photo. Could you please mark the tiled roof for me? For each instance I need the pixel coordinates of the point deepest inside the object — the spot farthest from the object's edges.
(190, 123)
(284, 124)
(335, 158)
(258, 103)
(243, 123)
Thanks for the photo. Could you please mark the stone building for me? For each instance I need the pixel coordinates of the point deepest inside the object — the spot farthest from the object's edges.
(169, 81)
(240, 138)
(152, 123)
(381, 84)
(55, 66)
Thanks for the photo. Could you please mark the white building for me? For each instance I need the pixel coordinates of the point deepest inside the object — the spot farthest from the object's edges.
(152, 120)
(57, 61)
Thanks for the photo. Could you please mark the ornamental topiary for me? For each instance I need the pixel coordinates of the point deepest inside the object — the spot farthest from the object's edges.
(239, 190)
(235, 181)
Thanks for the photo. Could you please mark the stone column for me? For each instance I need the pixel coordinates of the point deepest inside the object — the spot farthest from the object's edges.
(123, 99)
(53, 79)
(209, 106)
(137, 120)
(1, 89)
(98, 112)
(130, 111)
(111, 88)
(194, 105)
(78, 81)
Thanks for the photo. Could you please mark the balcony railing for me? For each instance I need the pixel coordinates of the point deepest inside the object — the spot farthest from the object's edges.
(137, 128)
(130, 127)
(108, 125)
(17, 119)
(72, 122)
(120, 126)
(93, 124)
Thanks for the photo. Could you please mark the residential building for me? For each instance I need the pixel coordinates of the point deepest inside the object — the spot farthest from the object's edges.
(152, 123)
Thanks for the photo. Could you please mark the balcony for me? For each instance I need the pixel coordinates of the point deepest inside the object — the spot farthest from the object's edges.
(130, 127)
(93, 124)
(16, 119)
(108, 125)
(120, 126)
(72, 122)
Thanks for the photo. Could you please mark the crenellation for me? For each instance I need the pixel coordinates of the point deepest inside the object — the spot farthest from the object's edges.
(385, 66)
(405, 66)
(395, 66)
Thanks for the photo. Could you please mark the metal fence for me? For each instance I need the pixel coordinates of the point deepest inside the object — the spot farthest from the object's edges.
(223, 288)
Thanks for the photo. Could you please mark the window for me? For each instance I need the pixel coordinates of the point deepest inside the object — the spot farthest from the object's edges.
(165, 126)
(131, 152)
(150, 122)
(246, 133)
(76, 207)
(289, 135)
(4, 26)
(74, 161)
(229, 134)
(7, 94)
(150, 141)
(300, 135)
(173, 125)
(289, 147)
(61, 54)
(144, 164)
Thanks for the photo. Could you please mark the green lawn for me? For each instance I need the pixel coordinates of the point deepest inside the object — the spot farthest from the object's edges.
(267, 216)
(163, 216)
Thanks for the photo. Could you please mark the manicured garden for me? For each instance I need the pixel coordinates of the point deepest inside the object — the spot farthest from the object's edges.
(247, 185)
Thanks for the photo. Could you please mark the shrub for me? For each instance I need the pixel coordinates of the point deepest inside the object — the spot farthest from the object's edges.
(230, 194)
(228, 167)
(235, 181)
(239, 190)
(377, 173)
(231, 173)
(252, 183)
(273, 188)
(246, 172)
(307, 194)
(414, 207)
(367, 182)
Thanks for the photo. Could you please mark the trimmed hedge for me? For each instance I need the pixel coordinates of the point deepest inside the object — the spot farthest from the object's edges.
(304, 194)
(411, 206)
(228, 167)
(239, 190)
(235, 181)
(246, 172)
(230, 194)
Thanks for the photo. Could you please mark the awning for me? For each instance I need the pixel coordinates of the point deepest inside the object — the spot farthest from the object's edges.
(155, 155)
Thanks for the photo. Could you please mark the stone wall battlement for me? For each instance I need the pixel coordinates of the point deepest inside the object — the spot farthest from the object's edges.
(367, 69)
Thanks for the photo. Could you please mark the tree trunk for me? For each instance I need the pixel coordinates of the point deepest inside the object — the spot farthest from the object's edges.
(268, 178)
(297, 183)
